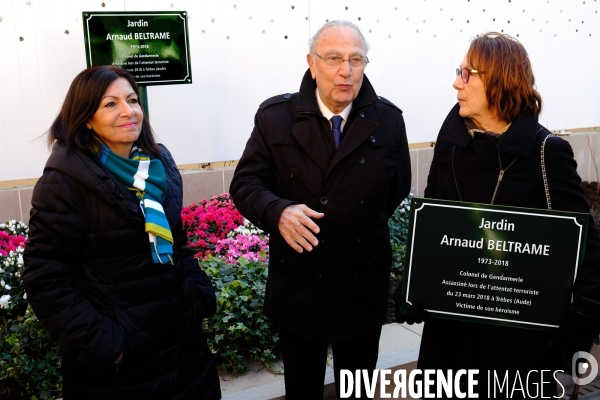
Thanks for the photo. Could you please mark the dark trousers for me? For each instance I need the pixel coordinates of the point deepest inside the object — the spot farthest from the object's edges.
(304, 362)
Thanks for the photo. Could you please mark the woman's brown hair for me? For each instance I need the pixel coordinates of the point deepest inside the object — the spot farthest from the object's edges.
(506, 73)
(82, 102)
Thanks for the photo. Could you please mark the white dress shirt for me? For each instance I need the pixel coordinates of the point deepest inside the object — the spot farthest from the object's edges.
(328, 114)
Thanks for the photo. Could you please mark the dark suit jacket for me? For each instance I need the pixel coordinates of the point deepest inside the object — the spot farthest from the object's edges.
(340, 289)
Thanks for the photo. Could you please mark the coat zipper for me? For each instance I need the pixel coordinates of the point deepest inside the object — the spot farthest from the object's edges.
(502, 171)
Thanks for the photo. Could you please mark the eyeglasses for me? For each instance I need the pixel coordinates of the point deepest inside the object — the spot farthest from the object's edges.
(336, 61)
(466, 73)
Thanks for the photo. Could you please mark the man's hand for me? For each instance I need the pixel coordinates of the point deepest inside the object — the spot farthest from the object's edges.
(297, 227)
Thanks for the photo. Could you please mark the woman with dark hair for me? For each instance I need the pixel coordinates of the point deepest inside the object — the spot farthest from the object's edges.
(489, 151)
(107, 268)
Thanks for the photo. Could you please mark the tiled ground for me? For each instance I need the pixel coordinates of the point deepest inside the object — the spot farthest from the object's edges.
(398, 348)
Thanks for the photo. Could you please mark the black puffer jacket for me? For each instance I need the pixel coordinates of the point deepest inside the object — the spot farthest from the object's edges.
(91, 281)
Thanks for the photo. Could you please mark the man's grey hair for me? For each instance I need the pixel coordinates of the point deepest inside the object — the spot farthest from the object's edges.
(312, 43)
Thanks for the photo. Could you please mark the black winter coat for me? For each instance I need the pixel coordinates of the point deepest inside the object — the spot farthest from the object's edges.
(340, 289)
(467, 169)
(91, 281)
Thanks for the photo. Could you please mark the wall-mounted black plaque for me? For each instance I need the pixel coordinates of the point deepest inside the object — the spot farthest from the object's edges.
(152, 46)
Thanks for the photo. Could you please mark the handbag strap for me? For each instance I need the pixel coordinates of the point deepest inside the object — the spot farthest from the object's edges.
(544, 172)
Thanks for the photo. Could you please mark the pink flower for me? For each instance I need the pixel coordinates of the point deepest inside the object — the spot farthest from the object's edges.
(10, 243)
(209, 221)
(252, 247)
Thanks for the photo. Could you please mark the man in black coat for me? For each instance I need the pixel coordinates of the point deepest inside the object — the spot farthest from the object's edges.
(322, 172)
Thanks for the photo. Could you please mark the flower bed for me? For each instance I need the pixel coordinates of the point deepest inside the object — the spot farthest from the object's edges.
(237, 264)
(208, 222)
(30, 362)
(233, 253)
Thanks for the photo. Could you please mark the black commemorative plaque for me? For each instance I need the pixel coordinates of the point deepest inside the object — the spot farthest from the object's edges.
(152, 46)
(493, 264)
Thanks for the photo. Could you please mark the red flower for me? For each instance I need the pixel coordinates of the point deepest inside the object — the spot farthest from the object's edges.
(209, 221)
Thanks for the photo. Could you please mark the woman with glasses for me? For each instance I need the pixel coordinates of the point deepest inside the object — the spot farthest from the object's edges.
(489, 151)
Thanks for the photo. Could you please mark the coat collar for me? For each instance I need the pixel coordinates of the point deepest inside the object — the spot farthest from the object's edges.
(356, 130)
(307, 101)
(88, 173)
(519, 139)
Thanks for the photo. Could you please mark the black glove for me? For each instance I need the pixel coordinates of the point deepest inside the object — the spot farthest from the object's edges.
(406, 312)
(578, 331)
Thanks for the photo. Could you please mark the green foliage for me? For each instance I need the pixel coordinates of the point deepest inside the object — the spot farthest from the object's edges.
(239, 333)
(398, 224)
(29, 360)
(30, 364)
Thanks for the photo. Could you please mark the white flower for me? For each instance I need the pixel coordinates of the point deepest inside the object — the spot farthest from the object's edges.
(2, 283)
(24, 296)
(20, 259)
(4, 300)
(7, 287)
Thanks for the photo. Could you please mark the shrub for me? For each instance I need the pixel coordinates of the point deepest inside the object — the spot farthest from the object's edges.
(398, 224)
(239, 333)
(30, 362)
(233, 253)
